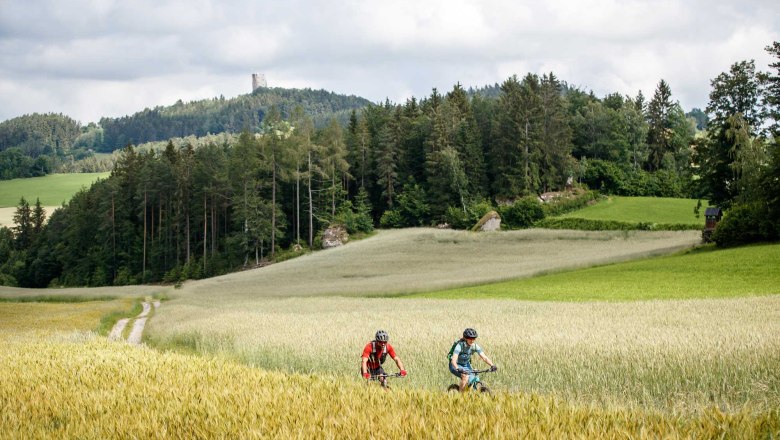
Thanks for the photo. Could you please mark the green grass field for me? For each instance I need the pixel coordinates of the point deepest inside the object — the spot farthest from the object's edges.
(52, 190)
(703, 273)
(641, 209)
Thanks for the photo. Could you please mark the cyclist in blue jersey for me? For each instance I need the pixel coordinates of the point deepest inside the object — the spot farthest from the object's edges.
(460, 358)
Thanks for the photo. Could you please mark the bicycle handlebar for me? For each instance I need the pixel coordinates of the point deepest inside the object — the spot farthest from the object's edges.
(380, 376)
(482, 371)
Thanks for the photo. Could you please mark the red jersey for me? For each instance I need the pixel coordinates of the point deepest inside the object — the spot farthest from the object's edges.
(376, 354)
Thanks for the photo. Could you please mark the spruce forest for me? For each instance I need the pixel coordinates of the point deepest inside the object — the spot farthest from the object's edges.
(291, 169)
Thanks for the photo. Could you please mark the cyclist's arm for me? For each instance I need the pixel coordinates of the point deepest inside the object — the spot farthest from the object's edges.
(454, 359)
(364, 366)
(486, 359)
(399, 363)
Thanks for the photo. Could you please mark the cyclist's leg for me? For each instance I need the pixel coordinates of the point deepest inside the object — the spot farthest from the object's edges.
(380, 372)
(471, 378)
(464, 377)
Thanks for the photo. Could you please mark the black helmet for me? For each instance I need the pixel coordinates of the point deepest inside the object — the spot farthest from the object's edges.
(469, 333)
(381, 336)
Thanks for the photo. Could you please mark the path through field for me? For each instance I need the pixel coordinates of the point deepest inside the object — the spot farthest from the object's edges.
(138, 325)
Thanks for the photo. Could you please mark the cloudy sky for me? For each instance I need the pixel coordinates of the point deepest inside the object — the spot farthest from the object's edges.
(93, 58)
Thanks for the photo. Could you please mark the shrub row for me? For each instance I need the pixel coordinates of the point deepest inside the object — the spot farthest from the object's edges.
(611, 225)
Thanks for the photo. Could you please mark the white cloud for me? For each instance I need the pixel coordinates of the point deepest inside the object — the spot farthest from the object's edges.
(92, 58)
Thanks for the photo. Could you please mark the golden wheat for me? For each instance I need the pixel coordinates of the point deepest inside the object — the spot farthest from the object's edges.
(672, 355)
(92, 388)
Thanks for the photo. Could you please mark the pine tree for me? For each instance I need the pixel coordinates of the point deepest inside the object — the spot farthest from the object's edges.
(465, 138)
(23, 231)
(555, 143)
(659, 134)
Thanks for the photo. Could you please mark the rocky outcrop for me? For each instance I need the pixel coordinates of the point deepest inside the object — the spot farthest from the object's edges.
(334, 236)
(489, 222)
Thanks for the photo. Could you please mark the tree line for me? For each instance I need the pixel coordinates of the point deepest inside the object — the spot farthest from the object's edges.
(266, 194)
(39, 144)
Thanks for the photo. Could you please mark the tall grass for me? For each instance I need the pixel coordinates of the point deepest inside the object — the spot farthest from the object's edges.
(44, 318)
(675, 356)
(78, 294)
(96, 389)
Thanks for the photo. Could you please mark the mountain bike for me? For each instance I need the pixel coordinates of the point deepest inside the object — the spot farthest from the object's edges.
(475, 383)
(383, 378)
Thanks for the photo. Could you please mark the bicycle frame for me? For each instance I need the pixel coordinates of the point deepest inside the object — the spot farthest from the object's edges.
(475, 379)
(384, 376)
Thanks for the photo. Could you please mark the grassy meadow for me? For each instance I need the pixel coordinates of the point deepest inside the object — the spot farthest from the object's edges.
(641, 209)
(702, 273)
(53, 189)
(423, 259)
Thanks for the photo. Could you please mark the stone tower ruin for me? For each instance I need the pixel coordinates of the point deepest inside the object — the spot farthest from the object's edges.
(258, 80)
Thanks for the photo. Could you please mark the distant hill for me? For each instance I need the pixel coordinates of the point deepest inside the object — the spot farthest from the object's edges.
(37, 134)
(220, 115)
(56, 135)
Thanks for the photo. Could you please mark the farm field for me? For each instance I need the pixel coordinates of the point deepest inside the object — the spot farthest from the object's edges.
(219, 349)
(423, 259)
(702, 273)
(641, 209)
(53, 189)
(73, 384)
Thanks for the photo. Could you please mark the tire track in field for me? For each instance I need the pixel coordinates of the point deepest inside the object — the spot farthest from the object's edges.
(138, 325)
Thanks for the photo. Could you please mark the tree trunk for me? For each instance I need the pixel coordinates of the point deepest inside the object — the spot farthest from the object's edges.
(311, 208)
(205, 230)
(273, 201)
(143, 270)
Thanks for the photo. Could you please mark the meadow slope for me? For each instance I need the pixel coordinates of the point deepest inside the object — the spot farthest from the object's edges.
(421, 259)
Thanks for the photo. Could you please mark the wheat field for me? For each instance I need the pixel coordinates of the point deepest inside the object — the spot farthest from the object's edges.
(676, 356)
(79, 386)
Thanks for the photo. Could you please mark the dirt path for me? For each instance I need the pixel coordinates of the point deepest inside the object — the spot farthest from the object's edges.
(138, 325)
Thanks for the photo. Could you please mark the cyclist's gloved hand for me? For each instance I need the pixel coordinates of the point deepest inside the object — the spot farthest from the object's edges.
(462, 370)
(493, 368)
(403, 373)
(366, 376)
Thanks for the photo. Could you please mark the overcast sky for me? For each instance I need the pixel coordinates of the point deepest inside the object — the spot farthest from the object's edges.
(96, 58)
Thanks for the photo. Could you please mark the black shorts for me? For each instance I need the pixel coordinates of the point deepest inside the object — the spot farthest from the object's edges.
(374, 371)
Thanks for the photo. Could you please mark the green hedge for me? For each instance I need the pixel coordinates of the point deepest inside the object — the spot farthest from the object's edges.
(611, 225)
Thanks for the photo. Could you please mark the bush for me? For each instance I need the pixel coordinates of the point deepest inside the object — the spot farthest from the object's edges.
(354, 221)
(412, 205)
(124, 277)
(523, 213)
(606, 176)
(743, 224)
(611, 225)
(457, 218)
(172, 275)
(391, 219)
(562, 205)
(460, 219)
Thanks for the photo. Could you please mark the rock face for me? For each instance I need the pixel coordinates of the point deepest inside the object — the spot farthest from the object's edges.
(334, 236)
(489, 222)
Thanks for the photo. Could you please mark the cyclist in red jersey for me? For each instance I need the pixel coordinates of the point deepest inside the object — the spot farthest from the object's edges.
(374, 355)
